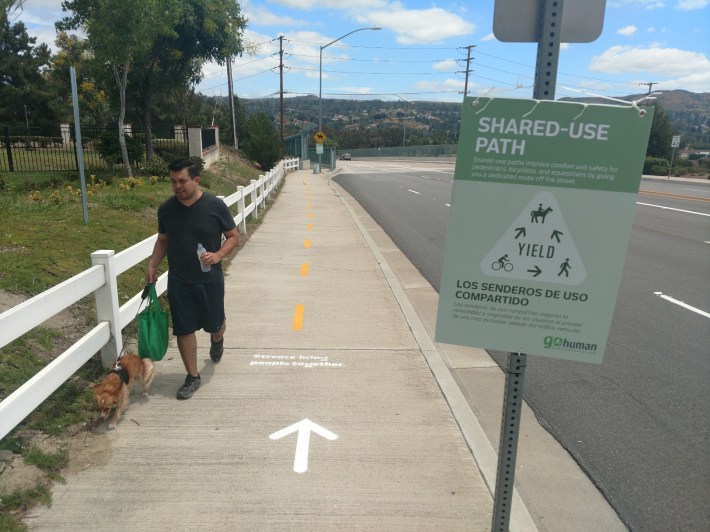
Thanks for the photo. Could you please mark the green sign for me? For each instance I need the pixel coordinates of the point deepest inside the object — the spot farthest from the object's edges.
(542, 205)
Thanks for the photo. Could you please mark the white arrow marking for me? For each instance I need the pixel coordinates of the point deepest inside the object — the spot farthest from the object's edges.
(304, 428)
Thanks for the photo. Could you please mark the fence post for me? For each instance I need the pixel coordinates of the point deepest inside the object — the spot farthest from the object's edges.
(6, 134)
(194, 141)
(107, 307)
(241, 207)
(262, 178)
(253, 199)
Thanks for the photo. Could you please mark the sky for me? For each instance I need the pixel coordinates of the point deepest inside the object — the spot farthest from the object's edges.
(420, 52)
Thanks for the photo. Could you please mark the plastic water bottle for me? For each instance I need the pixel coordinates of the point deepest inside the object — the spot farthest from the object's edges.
(200, 251)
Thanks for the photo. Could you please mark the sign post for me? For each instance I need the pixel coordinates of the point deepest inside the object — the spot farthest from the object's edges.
(542, 205)
(561, 179)
(675, 143)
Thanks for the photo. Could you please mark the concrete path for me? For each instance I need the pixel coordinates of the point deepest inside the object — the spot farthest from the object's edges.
(316, 333)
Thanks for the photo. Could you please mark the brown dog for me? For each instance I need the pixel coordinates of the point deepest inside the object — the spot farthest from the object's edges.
(112, 392)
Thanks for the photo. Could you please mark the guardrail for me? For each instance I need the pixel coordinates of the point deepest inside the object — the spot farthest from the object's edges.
(100, 280)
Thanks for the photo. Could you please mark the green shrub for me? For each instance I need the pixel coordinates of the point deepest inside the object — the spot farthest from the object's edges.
(170, 151)
(655, 166)
(110, 149)
(199, 163)
(157, 167)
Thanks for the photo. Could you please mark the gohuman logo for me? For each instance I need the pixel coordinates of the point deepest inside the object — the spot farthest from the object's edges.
(556, 342)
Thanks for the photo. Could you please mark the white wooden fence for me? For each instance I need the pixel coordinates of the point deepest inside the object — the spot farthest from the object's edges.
(112, 318)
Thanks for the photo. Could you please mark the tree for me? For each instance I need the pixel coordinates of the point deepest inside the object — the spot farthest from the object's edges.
(92, 85)
(23, 88)
(206, 30)
(659, 141)
(262, 141)
(119, 33)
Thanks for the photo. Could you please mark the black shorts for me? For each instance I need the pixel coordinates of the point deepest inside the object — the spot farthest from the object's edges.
(196, 306)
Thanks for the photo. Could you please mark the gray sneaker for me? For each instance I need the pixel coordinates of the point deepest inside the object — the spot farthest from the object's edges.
(189, 387)
(216, 350)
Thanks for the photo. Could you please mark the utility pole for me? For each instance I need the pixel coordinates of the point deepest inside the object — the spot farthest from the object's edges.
(650, 85)
(281, 92)
(231, 102)
(468, 69)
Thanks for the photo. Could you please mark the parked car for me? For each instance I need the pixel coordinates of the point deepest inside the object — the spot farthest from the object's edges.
(345, 157)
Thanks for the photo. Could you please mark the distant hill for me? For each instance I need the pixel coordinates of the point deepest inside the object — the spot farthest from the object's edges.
(688, 112)
(371, 123)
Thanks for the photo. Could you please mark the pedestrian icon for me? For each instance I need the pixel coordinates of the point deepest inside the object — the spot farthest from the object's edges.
(564, 268)
(538, 246)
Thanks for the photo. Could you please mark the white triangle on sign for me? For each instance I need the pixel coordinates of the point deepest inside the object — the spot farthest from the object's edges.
(537, 246)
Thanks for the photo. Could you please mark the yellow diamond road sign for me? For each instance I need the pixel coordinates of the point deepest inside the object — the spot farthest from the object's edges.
(320, 137)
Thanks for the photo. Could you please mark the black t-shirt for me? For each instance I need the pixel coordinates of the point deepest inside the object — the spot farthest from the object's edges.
(203, 222)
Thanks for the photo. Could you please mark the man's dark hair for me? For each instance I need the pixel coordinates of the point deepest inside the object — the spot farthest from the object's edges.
(181, 164)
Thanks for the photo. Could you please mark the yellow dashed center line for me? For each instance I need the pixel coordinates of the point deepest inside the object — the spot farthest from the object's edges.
(304, 269)
(309, 227)
(307, 244)
(298, 318)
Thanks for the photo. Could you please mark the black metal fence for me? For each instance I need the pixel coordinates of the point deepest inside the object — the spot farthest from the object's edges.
(31, 149)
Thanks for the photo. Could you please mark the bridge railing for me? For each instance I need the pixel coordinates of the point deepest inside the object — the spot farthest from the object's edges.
(101, 280)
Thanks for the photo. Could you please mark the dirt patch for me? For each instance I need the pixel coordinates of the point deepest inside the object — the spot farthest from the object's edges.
(87, 449)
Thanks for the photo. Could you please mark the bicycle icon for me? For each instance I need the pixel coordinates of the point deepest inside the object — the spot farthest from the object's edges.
(504, 263)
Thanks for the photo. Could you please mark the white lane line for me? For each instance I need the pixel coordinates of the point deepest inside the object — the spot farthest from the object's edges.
(671, 208)
(684, 305)
(414, 192)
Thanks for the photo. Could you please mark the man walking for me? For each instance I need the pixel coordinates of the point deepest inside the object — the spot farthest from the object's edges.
(195, 285)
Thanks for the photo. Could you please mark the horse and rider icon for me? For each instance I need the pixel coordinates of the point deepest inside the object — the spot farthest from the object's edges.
(540, 213)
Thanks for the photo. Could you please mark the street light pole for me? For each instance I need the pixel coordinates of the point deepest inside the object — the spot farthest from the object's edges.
(320, 80)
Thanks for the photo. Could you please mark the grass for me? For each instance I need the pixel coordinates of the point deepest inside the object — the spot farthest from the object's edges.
(44, 241)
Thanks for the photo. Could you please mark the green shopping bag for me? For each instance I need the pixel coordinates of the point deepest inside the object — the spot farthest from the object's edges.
(152, 327)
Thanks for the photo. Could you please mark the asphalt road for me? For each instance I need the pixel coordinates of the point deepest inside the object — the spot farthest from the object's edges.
(637, 424)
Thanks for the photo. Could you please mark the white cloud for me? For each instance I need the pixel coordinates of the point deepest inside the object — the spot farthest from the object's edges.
(691, 70)
(627, 30)
(419, 26)
(444, 85)
(355, 90)
(488, 37)
(647, 4)
(663, 61)
(689, 5)
(448, 64)
(332, 4)
(258, 16)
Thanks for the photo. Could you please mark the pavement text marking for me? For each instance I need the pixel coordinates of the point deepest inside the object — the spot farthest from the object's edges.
(294, 361)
